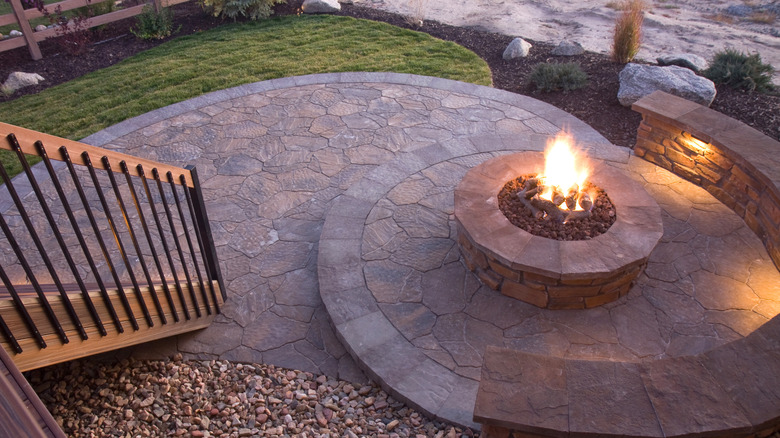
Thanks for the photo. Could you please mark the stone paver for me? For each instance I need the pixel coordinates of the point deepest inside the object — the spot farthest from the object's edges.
(341, 184)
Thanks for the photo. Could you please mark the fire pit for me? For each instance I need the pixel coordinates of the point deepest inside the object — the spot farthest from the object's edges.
(543, 271)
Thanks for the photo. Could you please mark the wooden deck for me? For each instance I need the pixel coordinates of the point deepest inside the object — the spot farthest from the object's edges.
(22, 414)
(32, 356)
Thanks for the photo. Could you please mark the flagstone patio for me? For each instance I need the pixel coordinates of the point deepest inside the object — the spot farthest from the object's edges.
(330, 199)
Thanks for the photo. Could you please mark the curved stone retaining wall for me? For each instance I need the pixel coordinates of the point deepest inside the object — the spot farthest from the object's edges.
(737, 164)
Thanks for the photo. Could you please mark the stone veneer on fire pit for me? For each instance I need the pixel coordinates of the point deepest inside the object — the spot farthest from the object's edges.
(545, 272)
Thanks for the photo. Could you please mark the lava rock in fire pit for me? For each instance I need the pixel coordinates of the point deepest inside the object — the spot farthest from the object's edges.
(554, 226)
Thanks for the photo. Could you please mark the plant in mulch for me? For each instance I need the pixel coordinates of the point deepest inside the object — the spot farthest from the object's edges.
(31, 4)
(252, 9)
(73, 34)
(740, 71)
(553, 76)
(154, 25)
(627, 36)
(416, 12)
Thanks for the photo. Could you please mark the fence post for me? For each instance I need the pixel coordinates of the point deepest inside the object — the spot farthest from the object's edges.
(158, 6)
(35, 51)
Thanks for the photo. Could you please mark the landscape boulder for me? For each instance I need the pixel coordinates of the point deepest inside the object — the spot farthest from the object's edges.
(17, 80)
(321, 6)
(687, 60)
(15, 33)
(40, 28)
(637, 81)
(518, 48)
(568, 48)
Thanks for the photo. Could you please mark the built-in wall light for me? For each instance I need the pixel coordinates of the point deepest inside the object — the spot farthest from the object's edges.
(696, 143)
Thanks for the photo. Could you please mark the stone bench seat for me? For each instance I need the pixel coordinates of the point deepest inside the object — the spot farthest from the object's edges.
(735, 163)
(729, 391)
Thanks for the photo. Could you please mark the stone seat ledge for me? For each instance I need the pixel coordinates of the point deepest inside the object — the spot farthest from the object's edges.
(730, 391)
(734, 162)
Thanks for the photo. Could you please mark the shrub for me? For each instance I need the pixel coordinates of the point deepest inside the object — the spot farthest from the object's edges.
(97, 9)
(628, 31)
(153, 25)
(73, 35)
(554, 76)
(253, 9)
(416, 12)
(740, 71)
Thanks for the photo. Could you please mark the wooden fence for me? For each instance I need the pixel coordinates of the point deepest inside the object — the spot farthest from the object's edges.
(31, 38)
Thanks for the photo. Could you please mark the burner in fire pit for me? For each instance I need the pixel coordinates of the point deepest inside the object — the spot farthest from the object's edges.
(550, 273)
(582, 215)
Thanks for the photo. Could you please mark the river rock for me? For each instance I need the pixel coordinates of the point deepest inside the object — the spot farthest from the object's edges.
(15, 33)
(321, 6)
(518, 48)
(18, 80)
(568, 48)
(637, 81)
(40, 28)
(687, 60)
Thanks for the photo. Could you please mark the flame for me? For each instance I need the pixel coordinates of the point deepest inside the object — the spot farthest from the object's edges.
(563, 167)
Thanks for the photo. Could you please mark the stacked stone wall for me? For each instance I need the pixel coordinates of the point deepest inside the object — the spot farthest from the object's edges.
(727, 158)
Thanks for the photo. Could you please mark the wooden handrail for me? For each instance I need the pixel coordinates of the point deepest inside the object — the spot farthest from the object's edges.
(27, 139)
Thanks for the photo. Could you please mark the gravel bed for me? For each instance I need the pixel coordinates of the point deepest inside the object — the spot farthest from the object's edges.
(130, 398)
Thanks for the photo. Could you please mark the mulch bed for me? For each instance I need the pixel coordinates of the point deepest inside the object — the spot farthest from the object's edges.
(596, 104)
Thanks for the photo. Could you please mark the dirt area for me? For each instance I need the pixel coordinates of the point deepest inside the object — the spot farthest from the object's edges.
(596, 104)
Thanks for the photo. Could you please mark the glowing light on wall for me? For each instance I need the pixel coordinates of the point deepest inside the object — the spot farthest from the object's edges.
(696, 144)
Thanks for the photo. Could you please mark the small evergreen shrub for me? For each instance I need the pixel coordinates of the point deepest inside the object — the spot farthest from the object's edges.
(153, 25)
(552, 76)
(740, 71)
(252, 9)
(628, 31)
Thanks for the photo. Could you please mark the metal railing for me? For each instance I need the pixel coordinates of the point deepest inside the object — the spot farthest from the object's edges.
(96, 241)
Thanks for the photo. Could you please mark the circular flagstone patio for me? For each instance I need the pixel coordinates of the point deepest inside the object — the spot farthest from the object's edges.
(331, 204)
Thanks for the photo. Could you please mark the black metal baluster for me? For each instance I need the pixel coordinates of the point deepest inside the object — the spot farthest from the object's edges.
(10, 336)
(99, 237)
(175, 236)
(123, 253)
(55, 229)
(20, 255)
(141, 216)
(137, 247)
(79, 235)
(189, 242)
(20, 305)
(204, 238)
(198, 206)
(164, 242)
(84, 293)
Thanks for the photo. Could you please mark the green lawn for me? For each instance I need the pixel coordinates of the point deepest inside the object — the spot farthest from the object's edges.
(232, 55)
